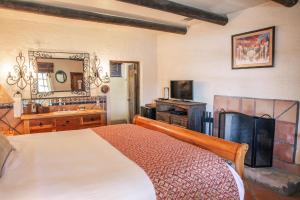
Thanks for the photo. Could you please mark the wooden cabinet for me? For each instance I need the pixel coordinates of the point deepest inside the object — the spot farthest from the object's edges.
(62, 121)
(181, 113)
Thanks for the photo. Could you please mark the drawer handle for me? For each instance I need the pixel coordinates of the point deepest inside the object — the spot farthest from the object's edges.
(41, 124)
(67, 121)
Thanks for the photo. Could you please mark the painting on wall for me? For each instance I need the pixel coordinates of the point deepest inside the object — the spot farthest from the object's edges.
(253, 49)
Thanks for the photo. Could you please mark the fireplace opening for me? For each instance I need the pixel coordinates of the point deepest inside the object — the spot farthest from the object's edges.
(257, 132)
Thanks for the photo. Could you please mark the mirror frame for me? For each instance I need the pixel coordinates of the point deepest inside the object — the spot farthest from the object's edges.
(85, 57)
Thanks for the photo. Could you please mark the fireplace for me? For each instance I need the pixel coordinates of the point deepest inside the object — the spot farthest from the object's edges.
(257, 132)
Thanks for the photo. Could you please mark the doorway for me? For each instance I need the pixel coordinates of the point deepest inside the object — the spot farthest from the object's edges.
(125, 91)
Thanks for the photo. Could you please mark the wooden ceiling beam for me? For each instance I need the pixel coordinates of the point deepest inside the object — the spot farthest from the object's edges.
(180, 9)
(89, 16)
(287, 3)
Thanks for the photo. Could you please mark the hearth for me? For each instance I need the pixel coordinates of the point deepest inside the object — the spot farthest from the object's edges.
(257, 132)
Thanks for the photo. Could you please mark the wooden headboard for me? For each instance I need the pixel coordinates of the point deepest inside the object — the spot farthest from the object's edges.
(232, 151)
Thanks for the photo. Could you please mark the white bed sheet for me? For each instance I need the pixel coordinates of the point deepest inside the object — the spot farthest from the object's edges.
(238, 181)
(77, 165)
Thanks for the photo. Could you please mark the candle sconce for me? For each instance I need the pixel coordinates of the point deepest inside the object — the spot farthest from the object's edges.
(21, 78)
(97, 78)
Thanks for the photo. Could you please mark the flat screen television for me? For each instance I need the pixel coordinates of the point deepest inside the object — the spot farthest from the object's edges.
(182, 90)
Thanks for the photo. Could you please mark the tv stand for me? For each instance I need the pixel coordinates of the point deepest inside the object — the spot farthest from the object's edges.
(187, 114)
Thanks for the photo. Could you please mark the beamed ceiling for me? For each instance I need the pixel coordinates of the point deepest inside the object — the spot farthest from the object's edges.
(119, 8)
(157, 12)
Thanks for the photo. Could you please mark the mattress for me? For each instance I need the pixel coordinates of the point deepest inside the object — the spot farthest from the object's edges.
(71, 165)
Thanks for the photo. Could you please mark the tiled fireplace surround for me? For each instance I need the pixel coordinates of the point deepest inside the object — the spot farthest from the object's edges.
(286, 113)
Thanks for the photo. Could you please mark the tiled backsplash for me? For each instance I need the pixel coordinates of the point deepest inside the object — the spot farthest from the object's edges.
(285, 112)
(6, 106)
(70, 102)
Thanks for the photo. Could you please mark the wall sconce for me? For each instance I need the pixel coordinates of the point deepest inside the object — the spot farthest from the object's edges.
(96, 77)
(20, 78)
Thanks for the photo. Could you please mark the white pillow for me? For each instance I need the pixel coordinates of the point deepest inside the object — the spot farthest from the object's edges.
(5, 149)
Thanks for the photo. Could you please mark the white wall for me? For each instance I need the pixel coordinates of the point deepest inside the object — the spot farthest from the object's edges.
(22, 31)
(204, 55)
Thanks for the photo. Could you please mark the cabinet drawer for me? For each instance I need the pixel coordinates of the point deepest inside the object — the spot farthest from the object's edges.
(63, 124)
(41, 125)
(179, 121)
(91, 119)
(162, 116)
(40, 122)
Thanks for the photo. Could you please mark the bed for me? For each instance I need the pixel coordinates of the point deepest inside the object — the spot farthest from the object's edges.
(144, 160)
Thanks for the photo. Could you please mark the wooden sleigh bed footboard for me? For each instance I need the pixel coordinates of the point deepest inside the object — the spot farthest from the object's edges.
(228, 150)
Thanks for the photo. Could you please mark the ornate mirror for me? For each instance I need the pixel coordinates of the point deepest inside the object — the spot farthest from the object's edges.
(60, 74)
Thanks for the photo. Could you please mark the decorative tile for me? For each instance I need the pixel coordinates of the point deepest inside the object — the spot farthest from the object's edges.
(6, 106)
(264, 106)
(215, 133)
(285, 131)
(281, 106)
(216, 124)
(70, 100)
(283, 152)
(216, 119)
(286, 111)
(248, 106)
(220, 102)
(233, 104)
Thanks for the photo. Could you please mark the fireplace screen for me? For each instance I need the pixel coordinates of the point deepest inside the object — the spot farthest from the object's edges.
(257, 132)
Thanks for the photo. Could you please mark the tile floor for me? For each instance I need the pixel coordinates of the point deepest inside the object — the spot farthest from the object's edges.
(255, 191)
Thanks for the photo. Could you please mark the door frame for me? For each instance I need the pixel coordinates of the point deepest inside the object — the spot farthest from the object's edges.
(138, 83)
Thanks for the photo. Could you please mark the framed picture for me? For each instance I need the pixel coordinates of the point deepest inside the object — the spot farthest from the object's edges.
(116, 70)
(253, 49)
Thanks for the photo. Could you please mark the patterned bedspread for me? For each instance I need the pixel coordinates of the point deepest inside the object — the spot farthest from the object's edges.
(178, 170)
